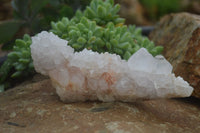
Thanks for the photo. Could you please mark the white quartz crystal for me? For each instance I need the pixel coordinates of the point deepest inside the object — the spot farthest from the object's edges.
(88, 75)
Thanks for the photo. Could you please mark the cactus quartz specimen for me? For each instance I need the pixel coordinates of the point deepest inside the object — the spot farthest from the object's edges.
(88, 75)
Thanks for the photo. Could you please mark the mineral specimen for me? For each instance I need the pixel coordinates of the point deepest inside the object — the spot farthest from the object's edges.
(88, 75)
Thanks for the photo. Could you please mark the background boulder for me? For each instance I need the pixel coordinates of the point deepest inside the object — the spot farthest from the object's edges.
(180, 36)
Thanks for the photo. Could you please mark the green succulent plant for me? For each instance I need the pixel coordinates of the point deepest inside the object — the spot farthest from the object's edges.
(103, 12)
(19, 62)
(144, 41)
(109, 35)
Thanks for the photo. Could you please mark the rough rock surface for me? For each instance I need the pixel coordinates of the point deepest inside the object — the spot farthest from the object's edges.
(36, 108)
(180, 36)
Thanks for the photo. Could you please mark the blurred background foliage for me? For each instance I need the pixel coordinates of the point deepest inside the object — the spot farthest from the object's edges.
(148, 12)
(157, 8)
(154, 9)
(33, 16)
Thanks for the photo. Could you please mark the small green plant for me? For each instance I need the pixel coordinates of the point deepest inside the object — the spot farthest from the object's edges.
(103, 12)
(108, 35)
(18, 64)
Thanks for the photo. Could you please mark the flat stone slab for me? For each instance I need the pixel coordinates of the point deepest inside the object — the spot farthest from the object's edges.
(36, 108)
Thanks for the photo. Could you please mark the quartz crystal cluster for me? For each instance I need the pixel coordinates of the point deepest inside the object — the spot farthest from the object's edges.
(88, 75)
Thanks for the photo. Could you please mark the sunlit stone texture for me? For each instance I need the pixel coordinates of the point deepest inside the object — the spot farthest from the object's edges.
(88, 75)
